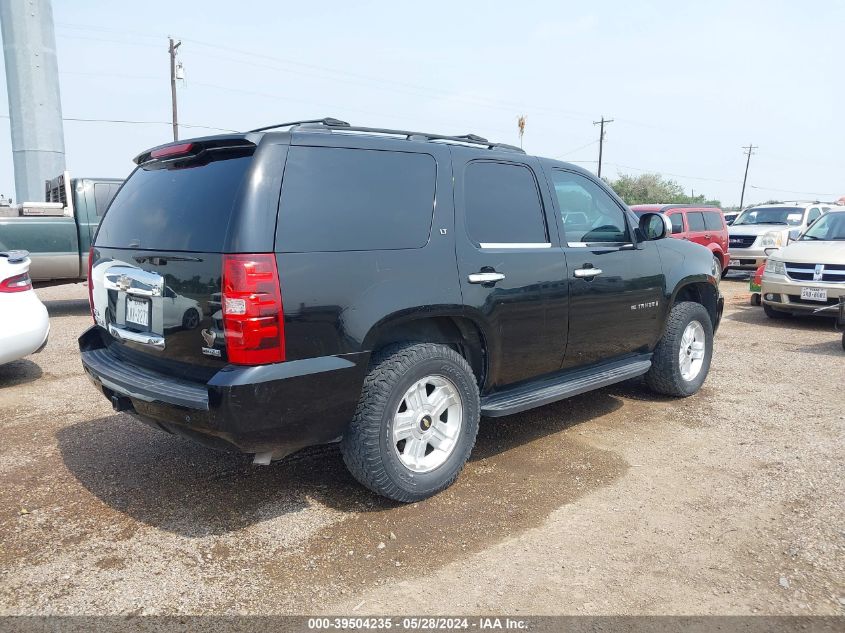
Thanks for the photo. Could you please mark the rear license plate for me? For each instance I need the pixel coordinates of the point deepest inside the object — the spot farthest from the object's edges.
(734, 262)
(814, 294)
(138, 312)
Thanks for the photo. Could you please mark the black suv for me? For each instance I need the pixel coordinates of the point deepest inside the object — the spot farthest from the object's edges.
(380, 288)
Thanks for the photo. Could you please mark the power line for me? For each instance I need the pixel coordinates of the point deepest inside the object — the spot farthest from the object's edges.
(669, 173)
(807, 193)
(133, 122)
(580, 147)
(339, 74)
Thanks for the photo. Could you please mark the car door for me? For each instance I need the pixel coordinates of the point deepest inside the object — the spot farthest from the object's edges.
(510, 274)
(696, 228)
(717, 231)
(616, 282)
(679, 229)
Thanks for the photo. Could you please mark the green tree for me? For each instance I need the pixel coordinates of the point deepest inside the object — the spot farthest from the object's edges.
(654, 189)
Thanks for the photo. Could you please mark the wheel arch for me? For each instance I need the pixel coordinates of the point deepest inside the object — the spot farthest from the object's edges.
(446, 326)
(699, 291)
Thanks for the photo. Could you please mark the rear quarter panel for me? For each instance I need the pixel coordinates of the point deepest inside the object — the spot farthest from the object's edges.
(335, 302)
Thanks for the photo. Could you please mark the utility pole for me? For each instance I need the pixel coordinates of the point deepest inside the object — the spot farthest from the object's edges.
(601, 138)
(32, 85)
(749, 149)
(172, 51)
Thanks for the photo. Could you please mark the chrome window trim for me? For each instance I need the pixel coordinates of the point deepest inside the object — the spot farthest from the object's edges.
(598, 244)
(505, 245)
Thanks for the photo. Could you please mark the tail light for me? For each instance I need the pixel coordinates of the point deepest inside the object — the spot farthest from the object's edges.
(18, 283)
(91, 282)
(169, 151)
(253, 319)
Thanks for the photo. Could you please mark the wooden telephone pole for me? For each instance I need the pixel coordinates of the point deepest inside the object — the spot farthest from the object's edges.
(749, 149)
(601, 139)
(172, 51)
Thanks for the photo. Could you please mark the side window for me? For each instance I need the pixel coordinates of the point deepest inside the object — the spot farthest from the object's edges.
(103, 194)
(814, 214)
(713, 221)
(589, 214)
(677, 222)
(338, 199)
(695, 219)
(502, 204)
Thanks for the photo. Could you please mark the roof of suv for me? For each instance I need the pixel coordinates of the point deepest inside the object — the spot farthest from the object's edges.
(335, 125)
(806, 204)
(238, 141)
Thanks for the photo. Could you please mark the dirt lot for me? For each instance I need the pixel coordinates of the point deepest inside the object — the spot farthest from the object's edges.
(728, 502)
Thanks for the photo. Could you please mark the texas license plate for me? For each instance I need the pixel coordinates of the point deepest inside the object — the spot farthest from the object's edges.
(138, 312)
(734, 262)
(814, 294)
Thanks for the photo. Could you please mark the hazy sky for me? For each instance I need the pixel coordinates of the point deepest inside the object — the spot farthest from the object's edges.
(687, 84)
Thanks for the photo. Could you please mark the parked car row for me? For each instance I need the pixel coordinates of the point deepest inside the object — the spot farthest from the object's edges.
(315, 282)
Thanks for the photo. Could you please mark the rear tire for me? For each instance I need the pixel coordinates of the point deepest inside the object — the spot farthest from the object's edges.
(400, 443)
(720, 272)
(773, 313)
(682, 358)
(191, 319)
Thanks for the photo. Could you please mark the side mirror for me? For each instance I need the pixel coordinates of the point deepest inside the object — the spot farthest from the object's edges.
(794, 234)
(655, 226)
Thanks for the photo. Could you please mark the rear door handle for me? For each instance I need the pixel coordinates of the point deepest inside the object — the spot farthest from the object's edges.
(485, 278)
(587, 273)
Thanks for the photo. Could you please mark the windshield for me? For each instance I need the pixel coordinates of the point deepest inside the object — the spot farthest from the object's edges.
(771, 215)
(829, 227)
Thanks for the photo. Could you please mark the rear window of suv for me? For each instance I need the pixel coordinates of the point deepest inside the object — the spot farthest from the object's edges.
(340, 199)
(175, 209)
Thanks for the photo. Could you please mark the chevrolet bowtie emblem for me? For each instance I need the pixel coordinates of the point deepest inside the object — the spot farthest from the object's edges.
(124, 283)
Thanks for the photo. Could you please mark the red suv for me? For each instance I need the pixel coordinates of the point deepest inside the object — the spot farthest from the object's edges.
(702, 225)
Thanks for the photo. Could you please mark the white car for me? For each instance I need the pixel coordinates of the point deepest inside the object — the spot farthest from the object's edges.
(808, 276)
(768, 226)
(24, 324)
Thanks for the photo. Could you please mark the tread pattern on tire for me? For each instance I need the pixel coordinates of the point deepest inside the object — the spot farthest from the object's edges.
(664, 375)
(360, 445)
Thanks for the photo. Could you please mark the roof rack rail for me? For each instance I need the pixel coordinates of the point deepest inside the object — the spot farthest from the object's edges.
(343, 126)
(472, 139)
(327, 121)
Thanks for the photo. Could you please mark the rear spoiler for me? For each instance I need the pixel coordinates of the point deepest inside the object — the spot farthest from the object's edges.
(193, 148)
(14, 257)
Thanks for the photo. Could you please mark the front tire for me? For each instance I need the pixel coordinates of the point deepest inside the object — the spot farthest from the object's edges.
(415, 424)
(773, 313)
(682, 358)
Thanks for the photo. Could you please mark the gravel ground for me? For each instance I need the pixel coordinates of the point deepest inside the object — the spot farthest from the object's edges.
(614, 502)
